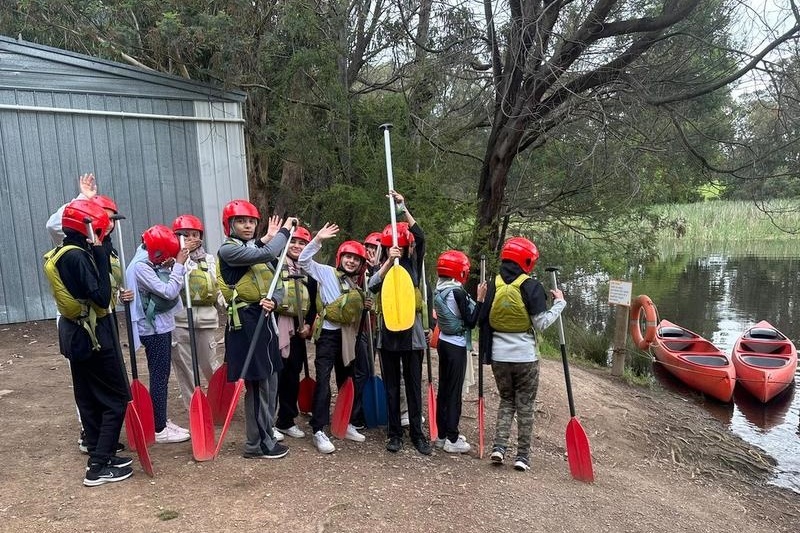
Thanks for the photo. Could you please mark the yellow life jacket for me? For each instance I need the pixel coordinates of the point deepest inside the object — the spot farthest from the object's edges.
(202, 285)
(291, 286)
(344, 310)
(249, 289)
(508, 313)
(82, 311)
(116, 276)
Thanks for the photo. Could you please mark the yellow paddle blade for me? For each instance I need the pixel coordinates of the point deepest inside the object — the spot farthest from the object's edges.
(397, 299)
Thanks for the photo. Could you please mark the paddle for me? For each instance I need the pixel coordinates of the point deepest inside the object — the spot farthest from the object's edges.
(431, 392)
(305, 392)
(201, 426)
(481, 407)
(139, 393)
(220, 392)
(397, 290)
(344, 399)
(374, 401)
(579, 455)
(133, 422)
(252, 348)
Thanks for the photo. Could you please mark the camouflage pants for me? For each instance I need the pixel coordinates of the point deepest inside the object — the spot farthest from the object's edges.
(517, 384)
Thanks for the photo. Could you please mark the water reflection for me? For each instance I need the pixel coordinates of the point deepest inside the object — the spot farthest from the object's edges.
(718, 296)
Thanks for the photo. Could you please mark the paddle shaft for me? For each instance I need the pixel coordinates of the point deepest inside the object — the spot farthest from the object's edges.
(480, 354)
(387, 146)
(426, 321)
(257, 332)
(128, 321)
(563, 344)
(190, 318)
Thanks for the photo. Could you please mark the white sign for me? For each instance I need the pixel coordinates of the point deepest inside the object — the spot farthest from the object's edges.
(619, 292)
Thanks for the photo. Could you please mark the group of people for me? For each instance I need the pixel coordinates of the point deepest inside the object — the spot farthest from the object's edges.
(309, 300)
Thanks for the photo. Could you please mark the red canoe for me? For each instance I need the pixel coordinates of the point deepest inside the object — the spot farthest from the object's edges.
(765, 361)
(694, 360)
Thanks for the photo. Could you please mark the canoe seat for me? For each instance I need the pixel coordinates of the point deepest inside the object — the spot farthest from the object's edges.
(671, 332)
(766, 347)
(763, 333)
(765, 362)
(678, 346)
(707, 360)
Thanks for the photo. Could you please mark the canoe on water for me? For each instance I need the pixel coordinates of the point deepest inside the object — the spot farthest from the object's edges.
(694, 360)
(765, 360)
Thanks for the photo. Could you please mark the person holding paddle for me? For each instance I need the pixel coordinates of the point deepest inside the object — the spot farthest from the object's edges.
(336, 333)
(244, 279)
(81, 285)
(206, 299)
(515, 306)
(295, 317)
(457, 313)
(402, 351)
(156, 272)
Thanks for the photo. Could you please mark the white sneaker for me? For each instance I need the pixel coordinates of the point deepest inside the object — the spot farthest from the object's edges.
(459, 446)
(169, 435)
(277, 435)
(176, 427)
(323, 443)
(294, 432)
(353, 434)
(404, 420)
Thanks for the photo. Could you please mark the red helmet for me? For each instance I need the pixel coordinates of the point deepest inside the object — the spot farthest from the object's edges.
(161, 243)
(302, 233)
(237, 208)
(374, 238)
(404, 236)
(76, 214)
(187, 222)
(355, 248)
(453, 264)
(106, 203)
(521, 251)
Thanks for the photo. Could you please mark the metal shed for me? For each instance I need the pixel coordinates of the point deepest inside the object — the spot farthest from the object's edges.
(159, 145)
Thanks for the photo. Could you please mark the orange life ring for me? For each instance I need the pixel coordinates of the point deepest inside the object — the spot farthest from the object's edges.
(643, 303)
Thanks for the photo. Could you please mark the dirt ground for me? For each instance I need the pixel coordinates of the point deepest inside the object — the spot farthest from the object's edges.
(661, 464)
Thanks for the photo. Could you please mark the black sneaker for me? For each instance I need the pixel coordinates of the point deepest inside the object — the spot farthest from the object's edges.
(117, 462)
(423, 446)
(522, 463)
(498, 454)
(394, 445)
(107, 474)
(278, 451)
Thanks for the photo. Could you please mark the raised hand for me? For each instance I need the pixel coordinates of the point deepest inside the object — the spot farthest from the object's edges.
(273, 225)
(87, 184)
(327, 231)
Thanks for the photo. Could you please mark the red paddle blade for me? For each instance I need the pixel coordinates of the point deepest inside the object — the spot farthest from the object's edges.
(220, 392)
(133, 427)
(432, 412)
(305, 396)
(481, 415)
(201, 427)
(237, 390)
(144, 408)
(578, 453)
(343, 409)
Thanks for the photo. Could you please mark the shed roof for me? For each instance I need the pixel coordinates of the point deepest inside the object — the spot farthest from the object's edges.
(25, 75)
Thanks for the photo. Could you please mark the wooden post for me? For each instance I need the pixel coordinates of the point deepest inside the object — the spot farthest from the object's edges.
(620, 338)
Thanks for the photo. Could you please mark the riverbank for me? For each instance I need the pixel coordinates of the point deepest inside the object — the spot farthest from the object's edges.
(661, 464)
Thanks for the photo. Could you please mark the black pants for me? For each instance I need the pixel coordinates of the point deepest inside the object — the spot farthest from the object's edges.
(101, 395)
(328, 358)
(289, 383)
(411, 363)
(452, 365)
(361, 372)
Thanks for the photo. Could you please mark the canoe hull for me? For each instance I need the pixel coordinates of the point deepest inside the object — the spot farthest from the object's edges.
(695, 361)
(765, 361)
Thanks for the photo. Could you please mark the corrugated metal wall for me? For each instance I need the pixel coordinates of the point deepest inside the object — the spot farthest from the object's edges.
(154, 169)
